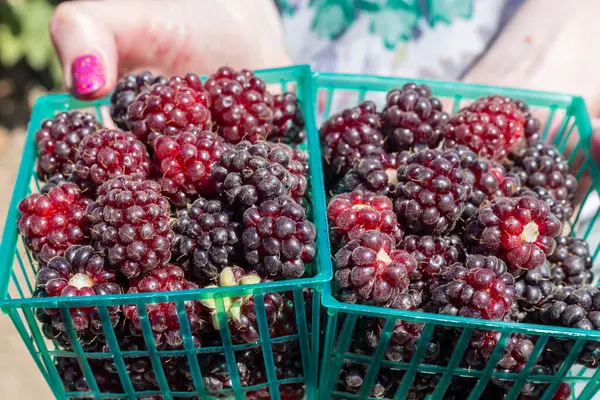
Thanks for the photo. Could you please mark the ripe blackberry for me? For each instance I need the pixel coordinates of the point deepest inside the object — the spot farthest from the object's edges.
(370, 270)
(377, 174)
(562, 210)
(278, 238)
(412, 117)
(516, 354)
(352, 378)
(432, 191)
(206, 238)
(52, 222)
(247, 174)
(543, 166)
(351, 214)
(350, 136)
(532, 124)
(482, 288)
(57, 141)
(130, 221)
(163, 316)
(578, 308)
(535, 286)
(240, 105)
(490, 126)
(183, 164)
(169, 108)
(73, 380)
(571, 262)
(433, 254)
(288, 120)
(107, 154)
(79, 272)
(126, 91)
(297, 167)
(521, 230)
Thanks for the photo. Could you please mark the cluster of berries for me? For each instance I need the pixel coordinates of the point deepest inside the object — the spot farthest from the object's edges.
(460, 215)
(199, 184)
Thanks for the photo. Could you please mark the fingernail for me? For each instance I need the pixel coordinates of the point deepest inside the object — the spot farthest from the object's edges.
(88, 74)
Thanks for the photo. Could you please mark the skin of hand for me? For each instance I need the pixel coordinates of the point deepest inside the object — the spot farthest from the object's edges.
(546, 47)
(96, 41)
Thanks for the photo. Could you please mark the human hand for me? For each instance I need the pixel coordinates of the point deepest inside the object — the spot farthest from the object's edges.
(97, 41)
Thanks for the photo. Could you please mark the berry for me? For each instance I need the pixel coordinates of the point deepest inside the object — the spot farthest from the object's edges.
(278, 238)
(577, 308)
(432, 191)
(350, 214)
(240, 105)
(247, 174)
(543, 166)
(433, 254)
(521, 230)
(129, 220)
(288, 120)
(217, 376)
(57, 141)
(376, 174)
(532, 124)
(206, 238)
(571, 262)
(107, 154)
(561, 210)
(370, 270)
(482, 288)
(163, 316)
(183, 164)
(488, 178)
(350, 136)
(79, 272)
(412, 117)
(52, 222)
(352, 378)
(127, 91)
(516, 354)
(169, 108)
(535, 286)
(491, 127)
(297, 167)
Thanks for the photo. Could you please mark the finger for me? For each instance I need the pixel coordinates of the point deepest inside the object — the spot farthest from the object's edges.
(96, 40)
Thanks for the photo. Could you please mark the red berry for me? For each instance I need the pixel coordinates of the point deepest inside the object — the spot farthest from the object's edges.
(350, 214)
(521, 230)
(130, 220)
(432, 191)
(107, 154)
(240, 105)
(491, 127)
(350, 136)
(57, 141)
(80, 272)
(52, 222)
(163, 316)
(370, 270)
(168, 109)
(183, 164)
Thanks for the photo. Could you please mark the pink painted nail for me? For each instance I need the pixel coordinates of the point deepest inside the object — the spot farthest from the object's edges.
(88, 74)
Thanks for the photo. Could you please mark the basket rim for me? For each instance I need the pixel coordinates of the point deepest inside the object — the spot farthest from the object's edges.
(302, 74)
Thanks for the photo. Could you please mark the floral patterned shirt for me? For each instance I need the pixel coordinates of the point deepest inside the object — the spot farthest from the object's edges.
(438, 39)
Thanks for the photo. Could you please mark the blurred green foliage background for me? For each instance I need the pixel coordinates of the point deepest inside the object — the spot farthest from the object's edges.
(28, 64)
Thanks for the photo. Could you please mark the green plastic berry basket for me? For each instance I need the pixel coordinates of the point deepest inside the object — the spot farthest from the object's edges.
(565, 122)
(17, 284)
